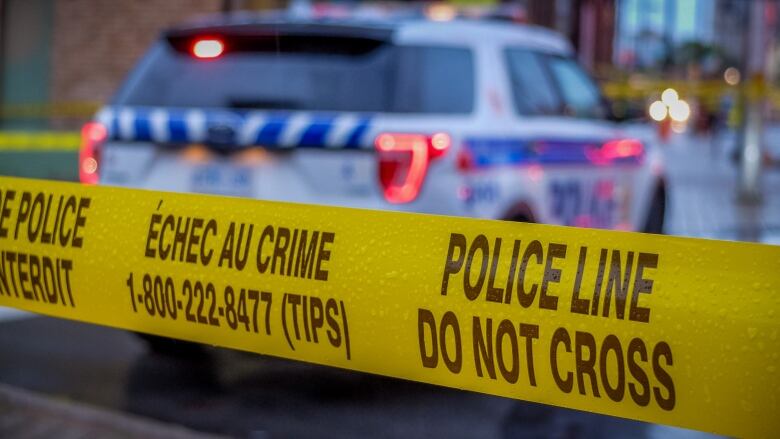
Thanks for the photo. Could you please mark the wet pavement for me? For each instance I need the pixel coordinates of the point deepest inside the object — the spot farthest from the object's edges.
(242, 395)
(30, 416)
(703, 200)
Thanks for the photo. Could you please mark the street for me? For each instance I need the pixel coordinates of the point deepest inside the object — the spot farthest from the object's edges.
(243, 395)
(703, 195)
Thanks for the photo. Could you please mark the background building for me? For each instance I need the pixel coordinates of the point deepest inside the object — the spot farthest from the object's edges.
(59, 59)
(51, 66)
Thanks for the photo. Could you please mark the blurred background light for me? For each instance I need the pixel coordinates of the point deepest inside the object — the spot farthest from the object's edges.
(441, 12)
(657, 111)
(679, 111)
(731, 76)
(669, 96)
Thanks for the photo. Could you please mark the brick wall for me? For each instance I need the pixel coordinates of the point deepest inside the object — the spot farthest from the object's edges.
(96, 42)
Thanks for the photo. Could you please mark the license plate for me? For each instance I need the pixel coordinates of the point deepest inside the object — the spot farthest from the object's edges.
(222, 180)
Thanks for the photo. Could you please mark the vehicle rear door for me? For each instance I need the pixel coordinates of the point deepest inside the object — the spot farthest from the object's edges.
(283, 112)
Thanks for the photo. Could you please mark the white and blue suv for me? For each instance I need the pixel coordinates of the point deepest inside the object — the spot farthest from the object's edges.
(466, 117)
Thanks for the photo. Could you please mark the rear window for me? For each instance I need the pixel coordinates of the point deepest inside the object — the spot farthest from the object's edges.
(307, 73)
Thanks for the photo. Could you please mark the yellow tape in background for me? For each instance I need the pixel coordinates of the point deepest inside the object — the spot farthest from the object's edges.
(669, 330)
(39, 141)
(47, 110)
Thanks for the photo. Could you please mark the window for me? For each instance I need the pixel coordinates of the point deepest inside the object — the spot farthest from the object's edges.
(309, 74)
(435, 80)
(532, 89)
(544, 84)
(580, 95)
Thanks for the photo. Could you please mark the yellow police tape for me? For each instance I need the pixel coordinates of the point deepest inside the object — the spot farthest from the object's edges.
(47, 110)
(39, 141)
(709, 92)
(662, 329)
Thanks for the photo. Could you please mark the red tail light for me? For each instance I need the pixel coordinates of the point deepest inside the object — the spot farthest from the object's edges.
(616, 150)
(403, 162)
(93, 134)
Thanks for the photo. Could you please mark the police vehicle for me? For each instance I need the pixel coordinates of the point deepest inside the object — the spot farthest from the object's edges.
(465, 117)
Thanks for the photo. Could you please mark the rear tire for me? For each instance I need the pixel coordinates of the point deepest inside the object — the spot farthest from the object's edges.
(521, 213)
(655, 216)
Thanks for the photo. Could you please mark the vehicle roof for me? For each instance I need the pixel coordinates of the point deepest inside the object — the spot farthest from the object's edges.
(404, 29)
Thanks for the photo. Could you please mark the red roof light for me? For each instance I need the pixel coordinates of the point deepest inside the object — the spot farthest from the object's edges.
(208, 48)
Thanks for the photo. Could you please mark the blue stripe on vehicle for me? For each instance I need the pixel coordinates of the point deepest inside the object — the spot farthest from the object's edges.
(355, 138)
(567, 152)
(114, 125)
(498, 151)
(315, 134)
(486, 152)
(142, 129)
(269, 134)
(177, 127)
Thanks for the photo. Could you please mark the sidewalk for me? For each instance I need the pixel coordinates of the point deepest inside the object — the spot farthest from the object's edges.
(703, 195)
(24, 414)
